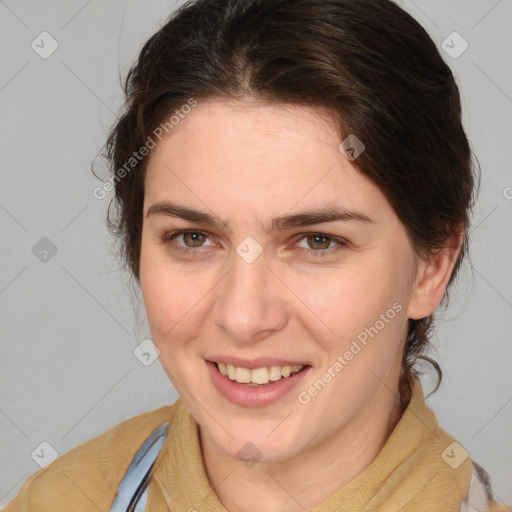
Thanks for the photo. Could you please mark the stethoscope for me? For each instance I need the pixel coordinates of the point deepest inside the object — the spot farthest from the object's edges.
(132, 493)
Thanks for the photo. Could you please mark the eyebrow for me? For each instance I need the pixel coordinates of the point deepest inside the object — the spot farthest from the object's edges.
(282, 222)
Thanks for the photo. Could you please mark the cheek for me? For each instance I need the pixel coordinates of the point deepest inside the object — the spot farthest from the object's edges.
(173, 298)
(365, 309)
(344, 302)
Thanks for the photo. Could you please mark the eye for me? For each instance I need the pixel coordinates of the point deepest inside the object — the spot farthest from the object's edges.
(320, 244)
(190, 239)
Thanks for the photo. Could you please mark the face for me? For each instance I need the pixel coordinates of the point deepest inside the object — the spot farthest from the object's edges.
(264, 247)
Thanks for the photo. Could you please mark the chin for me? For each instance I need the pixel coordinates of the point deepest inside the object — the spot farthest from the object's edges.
(254, 444)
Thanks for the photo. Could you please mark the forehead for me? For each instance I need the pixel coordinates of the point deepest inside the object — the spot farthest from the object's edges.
(276, 119)
(257, 156)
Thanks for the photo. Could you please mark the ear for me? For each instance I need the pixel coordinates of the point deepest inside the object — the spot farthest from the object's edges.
(432, 277)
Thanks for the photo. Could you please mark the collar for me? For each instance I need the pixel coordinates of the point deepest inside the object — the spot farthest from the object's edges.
(420, 467)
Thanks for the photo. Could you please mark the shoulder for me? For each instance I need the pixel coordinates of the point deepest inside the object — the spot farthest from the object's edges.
(480, 495)
(88, 476)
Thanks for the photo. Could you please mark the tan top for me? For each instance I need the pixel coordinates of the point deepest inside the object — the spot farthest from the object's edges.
(420, 468)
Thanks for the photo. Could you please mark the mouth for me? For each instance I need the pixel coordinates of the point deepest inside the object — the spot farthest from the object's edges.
(255, 387)
(258, 377)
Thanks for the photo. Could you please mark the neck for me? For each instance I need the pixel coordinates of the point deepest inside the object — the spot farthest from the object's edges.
(310, 477)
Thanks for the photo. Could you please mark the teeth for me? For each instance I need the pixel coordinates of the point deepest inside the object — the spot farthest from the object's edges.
(222, 368)
(286, 371)
(275, 373)
(243, 375)
(259, 376)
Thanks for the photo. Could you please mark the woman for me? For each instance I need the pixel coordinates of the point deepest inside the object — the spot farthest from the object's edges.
(293, 187)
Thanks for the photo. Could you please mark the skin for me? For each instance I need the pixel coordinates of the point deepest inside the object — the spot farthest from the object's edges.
(246, 163)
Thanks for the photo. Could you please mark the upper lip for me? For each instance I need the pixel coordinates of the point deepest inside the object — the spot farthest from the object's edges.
(257, 362)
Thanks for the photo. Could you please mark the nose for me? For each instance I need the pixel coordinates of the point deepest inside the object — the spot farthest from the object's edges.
(251, 303)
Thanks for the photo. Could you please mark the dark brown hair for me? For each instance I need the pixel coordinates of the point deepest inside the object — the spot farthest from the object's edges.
(367, 61)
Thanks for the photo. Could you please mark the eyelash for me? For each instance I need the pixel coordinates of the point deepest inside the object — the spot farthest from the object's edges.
(169, 237)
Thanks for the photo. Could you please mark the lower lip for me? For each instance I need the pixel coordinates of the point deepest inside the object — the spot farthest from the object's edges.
(253, 396)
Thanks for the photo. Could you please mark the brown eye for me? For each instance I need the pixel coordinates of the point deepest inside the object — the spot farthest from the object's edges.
(319, 241)
(320, 244)
(192, 239)
(187, 240)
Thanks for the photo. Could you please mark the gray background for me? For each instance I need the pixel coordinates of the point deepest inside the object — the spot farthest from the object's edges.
(68, 328)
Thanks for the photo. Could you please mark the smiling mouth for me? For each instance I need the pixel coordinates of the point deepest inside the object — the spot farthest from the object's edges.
(258, 376)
